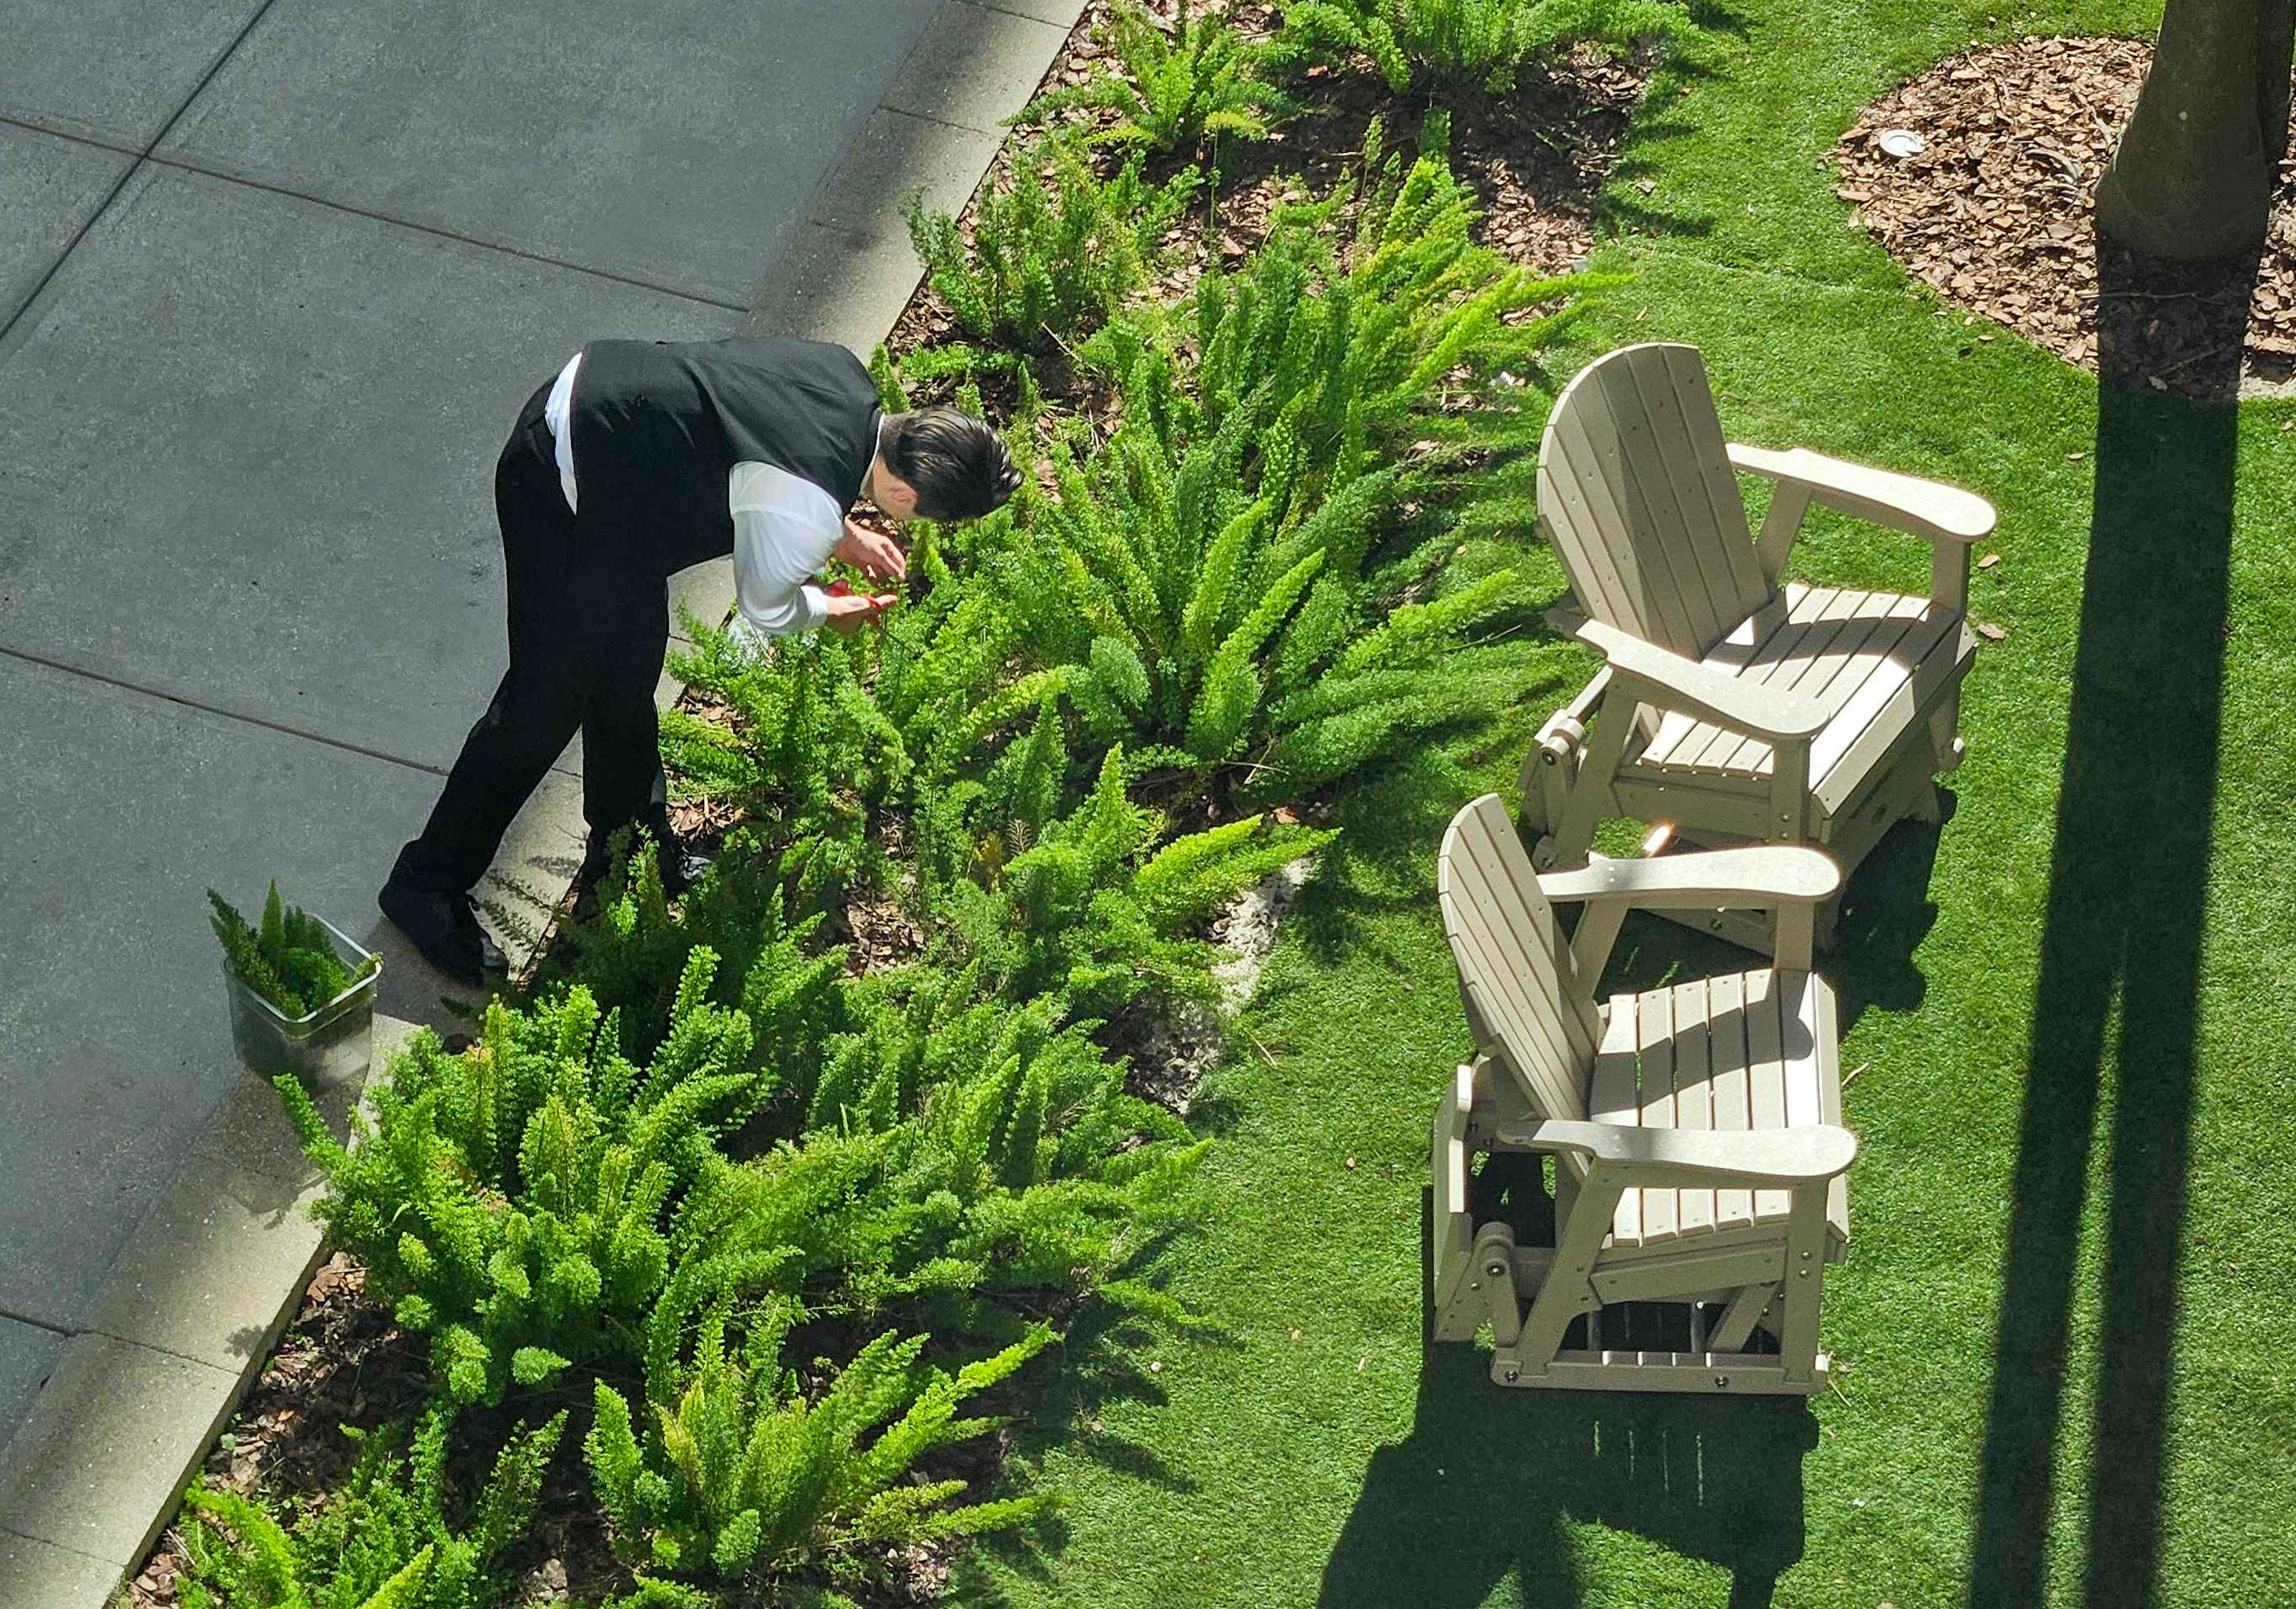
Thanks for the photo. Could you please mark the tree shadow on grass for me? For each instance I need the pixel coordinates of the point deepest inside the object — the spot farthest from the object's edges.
(2120, 955)
(1490, 1480)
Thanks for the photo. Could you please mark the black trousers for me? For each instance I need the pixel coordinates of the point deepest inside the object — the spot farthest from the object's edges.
(589, 620)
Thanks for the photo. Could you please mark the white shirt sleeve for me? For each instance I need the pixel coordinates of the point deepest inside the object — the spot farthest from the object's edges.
(558, 411)
(784, 527)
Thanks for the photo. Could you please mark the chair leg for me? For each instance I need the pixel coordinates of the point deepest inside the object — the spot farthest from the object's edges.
(1927, 806)
(1828, 917)
(1944, 740)
(1804, 1284)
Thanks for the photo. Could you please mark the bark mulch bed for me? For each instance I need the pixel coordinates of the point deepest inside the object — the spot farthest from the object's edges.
(344, 1361)
(1997, 211)
(1536, 161)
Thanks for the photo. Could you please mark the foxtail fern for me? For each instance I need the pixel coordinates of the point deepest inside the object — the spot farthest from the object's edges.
(1443, 45)
(1055, 245)
(1200, 81)
(737, 1471)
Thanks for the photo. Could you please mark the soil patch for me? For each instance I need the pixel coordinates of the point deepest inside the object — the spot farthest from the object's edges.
(344, 1361)
(1995, 209)
(1537, 161)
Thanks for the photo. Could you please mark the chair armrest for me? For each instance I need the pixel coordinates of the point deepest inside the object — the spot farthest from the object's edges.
(1746, 706)
(1778, 1158)
(1906, 502)
(1783, 874)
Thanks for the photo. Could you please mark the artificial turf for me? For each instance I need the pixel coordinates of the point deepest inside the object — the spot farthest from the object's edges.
(2063, 1375)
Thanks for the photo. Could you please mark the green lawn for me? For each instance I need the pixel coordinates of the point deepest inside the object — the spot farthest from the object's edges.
(2061, 1378)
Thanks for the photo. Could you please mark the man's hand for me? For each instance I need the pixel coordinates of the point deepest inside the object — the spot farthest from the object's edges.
(871, 553)
(848, 612)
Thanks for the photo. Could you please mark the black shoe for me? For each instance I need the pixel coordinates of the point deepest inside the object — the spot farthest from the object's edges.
(680, 870)
(445, 929)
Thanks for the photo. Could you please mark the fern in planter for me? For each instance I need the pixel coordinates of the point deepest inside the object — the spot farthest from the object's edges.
(738, 1472)
(1201, 82)
(1054, 245)
(1442, 45)
(290, 960)
(384, 1541)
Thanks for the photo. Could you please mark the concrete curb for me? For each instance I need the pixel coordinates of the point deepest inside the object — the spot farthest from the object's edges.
(188, 1317)
(184, 1323)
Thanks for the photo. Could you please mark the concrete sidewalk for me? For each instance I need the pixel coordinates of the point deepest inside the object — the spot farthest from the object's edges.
(274, 276)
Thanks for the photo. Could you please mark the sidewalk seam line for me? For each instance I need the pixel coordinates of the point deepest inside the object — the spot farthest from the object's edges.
(157, 1350)
(179, 165)
(215, 709)
(16, 315)
(990, 5)
(45, 1541)
(54, 1329)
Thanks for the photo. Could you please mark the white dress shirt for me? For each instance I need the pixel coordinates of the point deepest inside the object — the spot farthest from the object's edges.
(785, 528)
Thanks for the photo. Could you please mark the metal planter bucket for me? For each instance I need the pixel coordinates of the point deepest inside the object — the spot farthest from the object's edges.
(335, 1041)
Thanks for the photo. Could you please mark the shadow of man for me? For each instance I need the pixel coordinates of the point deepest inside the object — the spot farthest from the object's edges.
(2120, 955)
(1490, 1480)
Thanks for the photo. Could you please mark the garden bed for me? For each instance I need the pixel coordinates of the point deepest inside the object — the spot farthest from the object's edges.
(1177, 864)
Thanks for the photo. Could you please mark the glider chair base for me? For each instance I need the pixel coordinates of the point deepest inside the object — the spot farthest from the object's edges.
(1559, 832)
(1724, 1292)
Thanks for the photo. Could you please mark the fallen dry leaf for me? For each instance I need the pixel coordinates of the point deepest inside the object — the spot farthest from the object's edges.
(1989, 561)
(1988, 631)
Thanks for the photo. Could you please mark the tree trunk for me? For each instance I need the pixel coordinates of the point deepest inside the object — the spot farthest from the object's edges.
(2193, 176)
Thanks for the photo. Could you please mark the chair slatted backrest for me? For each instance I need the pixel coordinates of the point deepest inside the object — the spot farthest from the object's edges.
(1637, 495)
(1523, 994)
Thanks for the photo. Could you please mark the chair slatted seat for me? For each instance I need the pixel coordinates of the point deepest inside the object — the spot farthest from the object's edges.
(1696, 1128)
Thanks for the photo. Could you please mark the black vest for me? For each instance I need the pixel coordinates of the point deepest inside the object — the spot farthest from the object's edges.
(659, 425)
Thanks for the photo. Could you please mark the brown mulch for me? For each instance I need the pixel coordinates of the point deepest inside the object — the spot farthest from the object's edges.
(343, 1361)
(1536, 161)
(1996, 212)
(879, 936)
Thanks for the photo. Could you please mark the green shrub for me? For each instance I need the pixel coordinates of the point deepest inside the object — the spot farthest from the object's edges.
(834, 732)
(507, 1201)
(1222, 575)
(631, 953)
(1360, 349)
(1095, 910)
(1056, 245)
(738, 1472)
(1458, 44)
(1017, 1159)
(290, 960)
(383, 1542)
(1176, 90)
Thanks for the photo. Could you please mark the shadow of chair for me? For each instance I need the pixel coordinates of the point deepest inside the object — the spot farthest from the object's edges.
(1488, 1482)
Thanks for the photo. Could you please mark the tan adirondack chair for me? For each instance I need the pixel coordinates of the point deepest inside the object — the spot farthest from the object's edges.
(1696, 1128)
(1733, 709)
